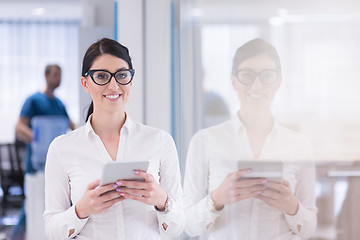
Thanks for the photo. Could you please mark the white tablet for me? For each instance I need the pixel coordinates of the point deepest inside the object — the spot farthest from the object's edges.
(272, 170)
(114, 171)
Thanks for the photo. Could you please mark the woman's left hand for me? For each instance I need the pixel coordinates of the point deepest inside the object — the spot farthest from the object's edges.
(148, 191)
(280, 197)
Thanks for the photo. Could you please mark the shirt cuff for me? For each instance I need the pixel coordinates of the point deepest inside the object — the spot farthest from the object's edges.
(209, 214)
(172, 223)
(75, 224)
(170, 216)
(296, 221)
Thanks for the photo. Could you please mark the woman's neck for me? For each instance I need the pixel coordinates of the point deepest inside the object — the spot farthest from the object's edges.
(108, 124)
(258, 126)
(259, 121)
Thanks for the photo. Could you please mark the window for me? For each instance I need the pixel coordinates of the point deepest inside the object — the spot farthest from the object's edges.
(26, 47)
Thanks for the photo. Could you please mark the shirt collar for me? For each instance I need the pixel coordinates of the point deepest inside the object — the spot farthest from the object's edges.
(236, 122)
(239, 125)
(128, 125)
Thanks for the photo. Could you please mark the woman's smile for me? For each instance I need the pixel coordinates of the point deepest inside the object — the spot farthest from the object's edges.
(255, 95)
(112, 97)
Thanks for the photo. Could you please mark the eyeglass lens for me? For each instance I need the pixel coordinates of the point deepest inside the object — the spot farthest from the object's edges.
(103, 77)
(249, 76)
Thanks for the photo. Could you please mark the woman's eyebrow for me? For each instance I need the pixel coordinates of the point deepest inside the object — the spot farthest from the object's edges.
(121, 68)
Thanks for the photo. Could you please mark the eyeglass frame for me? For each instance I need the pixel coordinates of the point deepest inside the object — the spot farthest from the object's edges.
(92, 71)
(257, 75)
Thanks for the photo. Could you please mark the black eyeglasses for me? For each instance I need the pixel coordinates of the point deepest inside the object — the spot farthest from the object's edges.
(103, 77)
(247, 76)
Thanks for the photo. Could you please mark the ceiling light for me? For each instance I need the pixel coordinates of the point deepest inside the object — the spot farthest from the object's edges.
(276, 21)
(38, 11)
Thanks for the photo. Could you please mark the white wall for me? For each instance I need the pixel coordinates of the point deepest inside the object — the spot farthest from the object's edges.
(97, 22)
(131, 34)
(145, 29)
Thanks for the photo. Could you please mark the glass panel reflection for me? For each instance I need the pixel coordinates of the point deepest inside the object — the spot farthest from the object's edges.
(316, 102)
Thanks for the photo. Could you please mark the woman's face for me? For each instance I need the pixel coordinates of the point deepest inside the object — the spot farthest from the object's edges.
(260, 93)
(113, 96)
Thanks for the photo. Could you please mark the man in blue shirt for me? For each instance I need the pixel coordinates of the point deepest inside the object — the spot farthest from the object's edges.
(39, 104)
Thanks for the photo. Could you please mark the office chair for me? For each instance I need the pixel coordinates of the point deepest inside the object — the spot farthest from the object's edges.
(11, 175)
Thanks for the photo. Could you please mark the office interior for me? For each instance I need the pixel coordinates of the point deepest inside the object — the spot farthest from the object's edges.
(182, 51)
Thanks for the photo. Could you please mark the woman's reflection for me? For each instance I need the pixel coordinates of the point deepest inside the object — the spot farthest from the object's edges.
(222, 201)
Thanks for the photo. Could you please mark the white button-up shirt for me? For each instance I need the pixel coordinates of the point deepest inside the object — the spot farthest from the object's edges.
(214, 152)
(77, 158)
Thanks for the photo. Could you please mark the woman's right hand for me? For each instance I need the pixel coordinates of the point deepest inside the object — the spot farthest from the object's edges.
(97, 199)
(235, 188)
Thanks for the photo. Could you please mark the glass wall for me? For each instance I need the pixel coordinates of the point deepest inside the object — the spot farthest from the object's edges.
(313, 97)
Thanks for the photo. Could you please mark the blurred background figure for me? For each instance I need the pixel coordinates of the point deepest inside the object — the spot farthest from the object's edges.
(220, 200)
(43, 103)
(215, 109)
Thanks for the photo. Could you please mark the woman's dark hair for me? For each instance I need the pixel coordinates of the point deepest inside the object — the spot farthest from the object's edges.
(254, 48)
(103, 46)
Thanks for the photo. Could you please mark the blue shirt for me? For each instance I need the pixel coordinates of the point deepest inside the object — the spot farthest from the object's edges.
(39, 104)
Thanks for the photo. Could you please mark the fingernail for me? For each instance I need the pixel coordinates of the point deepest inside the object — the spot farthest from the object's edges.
(118, 189)
(264, 181)
(122, 194)
(115, 186)
(249, 170)
(118, 183)
(136, 172)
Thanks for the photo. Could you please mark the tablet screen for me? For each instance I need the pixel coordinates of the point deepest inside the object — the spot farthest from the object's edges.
(272, 170)
(114, 171)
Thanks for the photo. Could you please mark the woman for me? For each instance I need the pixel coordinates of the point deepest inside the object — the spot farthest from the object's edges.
(227, 204)
(75, 204)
